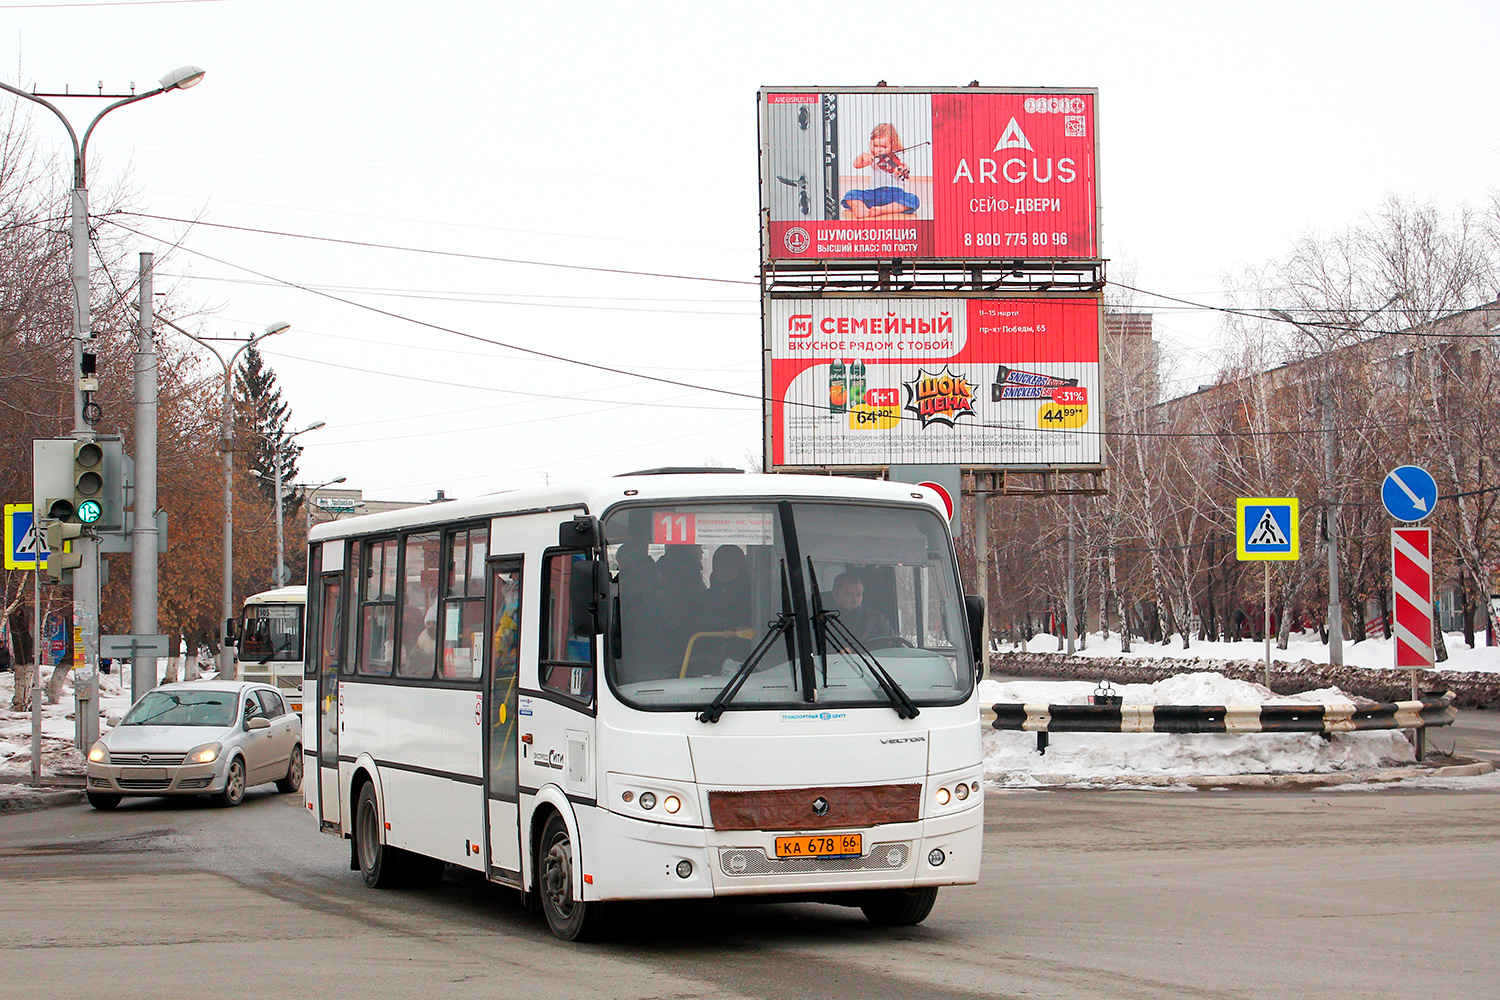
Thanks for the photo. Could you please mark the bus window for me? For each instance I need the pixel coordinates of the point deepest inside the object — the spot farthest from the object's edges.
(377, 628)
(567, 665)
(419, 597)
(462, 611)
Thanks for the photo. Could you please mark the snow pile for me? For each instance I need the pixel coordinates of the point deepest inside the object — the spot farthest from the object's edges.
(1375, 653)
(1012, 760)
(59, 756)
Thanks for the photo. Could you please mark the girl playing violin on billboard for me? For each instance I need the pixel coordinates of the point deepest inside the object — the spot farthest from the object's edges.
(881, 199)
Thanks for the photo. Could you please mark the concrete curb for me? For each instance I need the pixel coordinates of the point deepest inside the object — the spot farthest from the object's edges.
(1269, 781)
(22, 798)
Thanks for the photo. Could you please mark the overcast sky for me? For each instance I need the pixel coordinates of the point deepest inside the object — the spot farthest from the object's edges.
(623, 137)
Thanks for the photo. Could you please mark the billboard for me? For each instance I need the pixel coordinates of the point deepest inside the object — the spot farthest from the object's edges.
(963, 173)
(872, 381)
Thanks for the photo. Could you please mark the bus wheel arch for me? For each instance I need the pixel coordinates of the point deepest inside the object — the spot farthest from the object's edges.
(558, 878)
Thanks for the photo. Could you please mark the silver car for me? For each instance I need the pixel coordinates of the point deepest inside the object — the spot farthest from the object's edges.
(198, 738)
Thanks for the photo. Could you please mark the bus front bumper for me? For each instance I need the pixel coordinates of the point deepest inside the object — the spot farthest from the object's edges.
(632, 859)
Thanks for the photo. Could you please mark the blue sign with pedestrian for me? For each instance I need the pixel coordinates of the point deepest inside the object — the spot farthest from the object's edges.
(1409, 493)
(1266, 528)
(21, 537)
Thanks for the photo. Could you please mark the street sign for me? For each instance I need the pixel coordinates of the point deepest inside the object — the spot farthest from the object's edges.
(20, 536)
(1266, 528)
(1409, 493)
(944, 480)
(128, 647)
(1411, 575)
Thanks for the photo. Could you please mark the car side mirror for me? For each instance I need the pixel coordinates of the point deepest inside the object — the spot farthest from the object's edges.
(113, 719)
(258, 723)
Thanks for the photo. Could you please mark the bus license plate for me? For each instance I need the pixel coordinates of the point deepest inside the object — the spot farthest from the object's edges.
(838, 845)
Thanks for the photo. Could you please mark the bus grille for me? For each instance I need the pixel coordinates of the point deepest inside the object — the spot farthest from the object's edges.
(737, 861)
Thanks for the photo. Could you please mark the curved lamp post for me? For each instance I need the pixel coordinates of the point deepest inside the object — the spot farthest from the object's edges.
(86, 576)
(278, 578)
(226, 448)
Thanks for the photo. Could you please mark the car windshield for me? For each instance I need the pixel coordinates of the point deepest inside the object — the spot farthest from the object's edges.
(861, 599)
(183, 708)
(271, 632)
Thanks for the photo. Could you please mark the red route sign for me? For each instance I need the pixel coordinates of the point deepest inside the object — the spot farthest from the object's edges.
(1411, 575)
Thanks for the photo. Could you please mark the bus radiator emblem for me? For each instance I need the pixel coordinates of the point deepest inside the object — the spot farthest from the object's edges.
(820, 806)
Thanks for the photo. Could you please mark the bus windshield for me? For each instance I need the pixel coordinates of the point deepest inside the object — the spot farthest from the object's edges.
(837, 604)
(271, 632)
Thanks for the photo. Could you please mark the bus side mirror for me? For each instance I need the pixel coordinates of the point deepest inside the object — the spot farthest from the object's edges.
(586, 598)
(974, 608)
(580, 534)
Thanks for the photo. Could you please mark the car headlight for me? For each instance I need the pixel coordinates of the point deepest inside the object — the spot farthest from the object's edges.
(206, 754)
(99, 753)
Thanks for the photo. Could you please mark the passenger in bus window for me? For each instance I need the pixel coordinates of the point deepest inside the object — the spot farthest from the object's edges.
(729, 589)
(849, 602)
(418, 643)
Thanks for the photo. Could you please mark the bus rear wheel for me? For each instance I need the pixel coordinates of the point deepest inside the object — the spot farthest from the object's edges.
(898, 907)
(378, 864)
(570, 919)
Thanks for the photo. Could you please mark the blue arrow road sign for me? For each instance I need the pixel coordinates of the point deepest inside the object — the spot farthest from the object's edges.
(1409, 493)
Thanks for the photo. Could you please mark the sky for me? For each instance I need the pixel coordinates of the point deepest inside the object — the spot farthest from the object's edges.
(427, 193)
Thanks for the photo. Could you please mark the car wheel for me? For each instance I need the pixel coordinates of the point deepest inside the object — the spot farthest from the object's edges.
(103, 800)
(234, 783)
(569, 918)
(381, 866)
(293, 780)
(899, 907)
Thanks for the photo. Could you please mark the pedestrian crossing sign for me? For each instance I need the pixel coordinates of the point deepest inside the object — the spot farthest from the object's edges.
(20, 537)
(1266, 528)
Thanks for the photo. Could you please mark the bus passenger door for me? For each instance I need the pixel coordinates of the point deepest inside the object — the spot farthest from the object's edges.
(330, 628)
(502, 808)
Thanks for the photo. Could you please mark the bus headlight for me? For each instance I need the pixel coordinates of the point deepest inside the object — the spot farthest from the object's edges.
(942, 795)
(206, 754)
(99, 753)
(647, 800)
(961, 790)
(671, 803)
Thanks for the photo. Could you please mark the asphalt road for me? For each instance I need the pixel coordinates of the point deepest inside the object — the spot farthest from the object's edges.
(1083, 894)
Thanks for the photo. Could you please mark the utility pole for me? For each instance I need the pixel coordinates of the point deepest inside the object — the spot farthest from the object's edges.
(1331, 519)
(143, 538)
(1070, 625)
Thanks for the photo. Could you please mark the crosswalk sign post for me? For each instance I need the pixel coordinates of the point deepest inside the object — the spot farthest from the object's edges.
(1265, 529)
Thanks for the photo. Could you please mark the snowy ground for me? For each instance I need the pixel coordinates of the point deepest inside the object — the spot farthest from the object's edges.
(1300, 646)
(59, 756)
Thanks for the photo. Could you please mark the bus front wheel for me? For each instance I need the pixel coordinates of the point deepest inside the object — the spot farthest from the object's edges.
(570, 919)
(899, 907)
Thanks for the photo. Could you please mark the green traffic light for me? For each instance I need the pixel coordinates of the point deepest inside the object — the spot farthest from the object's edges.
(88, 512)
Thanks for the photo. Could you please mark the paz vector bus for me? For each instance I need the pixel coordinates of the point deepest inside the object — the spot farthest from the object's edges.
(657, 686)
(269, 646)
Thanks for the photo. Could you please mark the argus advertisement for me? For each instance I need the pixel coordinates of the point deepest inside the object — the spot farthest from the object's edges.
(873, 381)
(963, 173)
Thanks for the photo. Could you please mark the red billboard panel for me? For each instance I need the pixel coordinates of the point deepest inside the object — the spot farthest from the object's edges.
(874, 381)
(918, 173)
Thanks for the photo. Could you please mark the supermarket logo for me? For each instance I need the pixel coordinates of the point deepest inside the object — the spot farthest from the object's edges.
(799, 326)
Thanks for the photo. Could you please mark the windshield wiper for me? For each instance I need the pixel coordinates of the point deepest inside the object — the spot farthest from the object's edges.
(778, 626)
(781, 624)
(841, 633)
(820, 628)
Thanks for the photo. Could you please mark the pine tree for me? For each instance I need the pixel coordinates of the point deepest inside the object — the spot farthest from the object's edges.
(262, 427)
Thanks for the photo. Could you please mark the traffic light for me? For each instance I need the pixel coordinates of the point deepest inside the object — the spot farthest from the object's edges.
(88, 483)
(59, 561)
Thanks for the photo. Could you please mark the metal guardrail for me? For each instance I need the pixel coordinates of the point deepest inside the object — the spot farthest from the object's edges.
(1430, 710)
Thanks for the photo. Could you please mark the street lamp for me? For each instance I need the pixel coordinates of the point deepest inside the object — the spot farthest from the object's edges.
(1331, 508)
(85, 412)
(226, 446)
(279, 578)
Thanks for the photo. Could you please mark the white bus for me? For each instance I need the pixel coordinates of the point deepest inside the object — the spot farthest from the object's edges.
(269, 649)
(665, 686)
